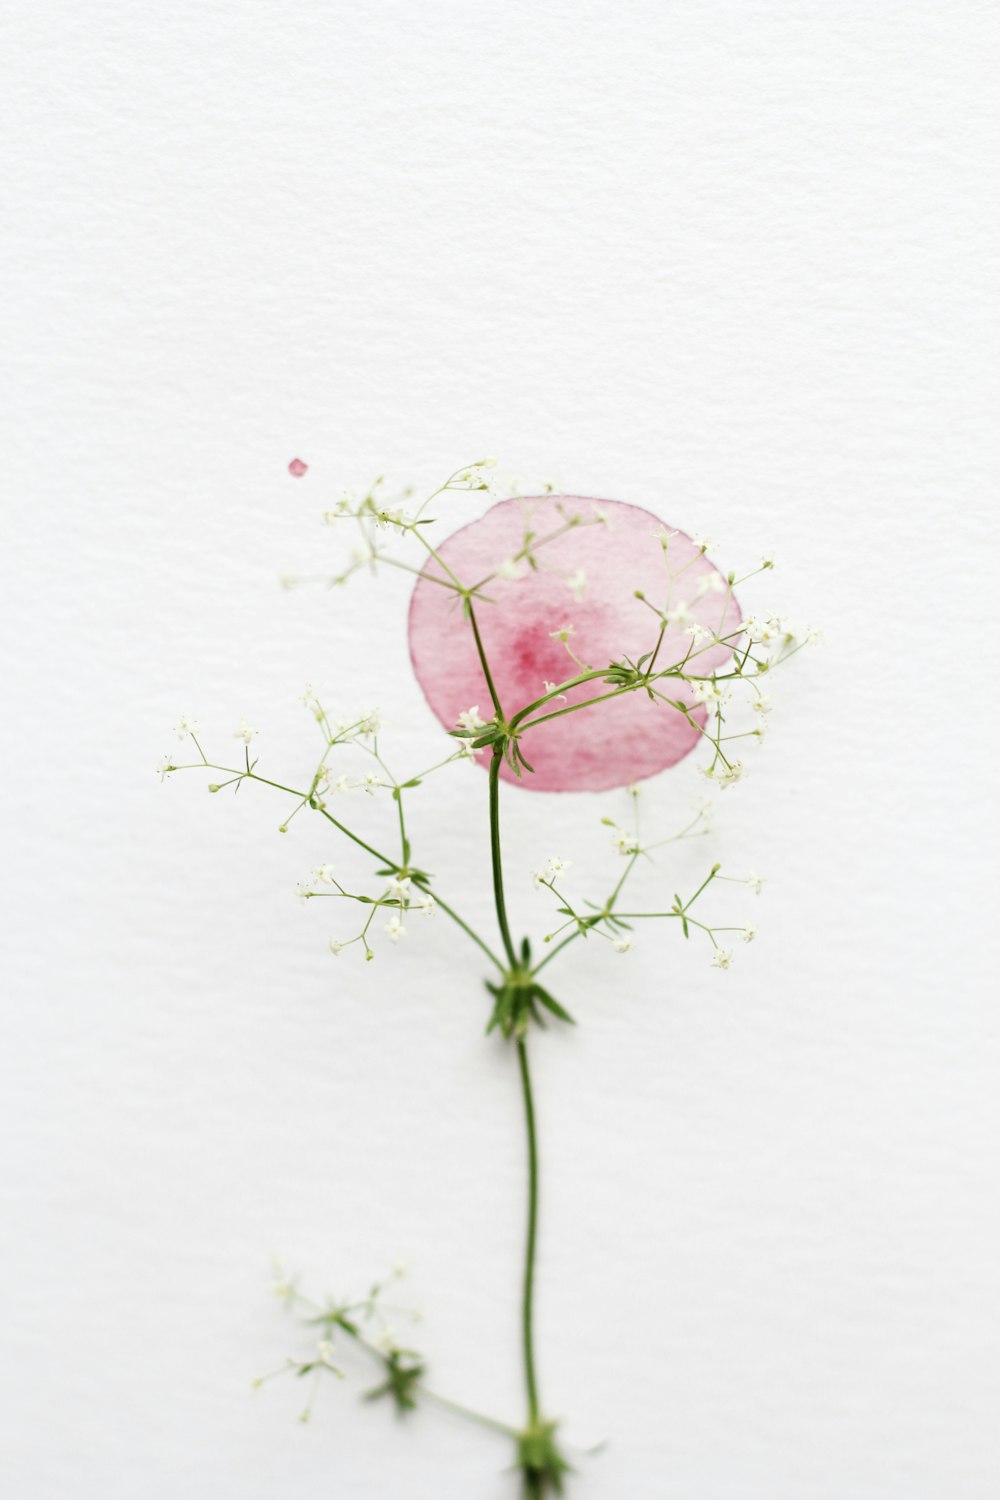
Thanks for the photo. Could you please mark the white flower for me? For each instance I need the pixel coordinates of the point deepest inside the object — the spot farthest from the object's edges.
(723, 958)
(395, 929)
(470, 721)
(624, 842)
(731, 774)
(664, 536)
(761, 728)
(622, 945)
(371, 721)
(761, 702)
(699, 633)
(552, 869)
(577, 585)
(748, 932)
(341, 785)
(325, 874)
(563, 634)
(710, 583)
(763, 629)
(703, 543)
(425, 905)
(511, 569)
(186, 727)
(164, 768)
(467, 751)
(302, 891)
(812, 636)
(345, 506)
(244, 733)
(550, 687)
(487, 463)
(371, 783)
(325, 1351)
(755, 882)
(678, 614)
(336, 946)
(706, 692)
(767, 561)
(601, 516)
(398, 888)
(397, 517)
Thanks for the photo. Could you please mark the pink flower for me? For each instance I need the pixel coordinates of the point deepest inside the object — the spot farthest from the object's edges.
(297, 468)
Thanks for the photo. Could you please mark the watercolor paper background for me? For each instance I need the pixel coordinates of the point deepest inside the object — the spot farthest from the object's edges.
(732, 261)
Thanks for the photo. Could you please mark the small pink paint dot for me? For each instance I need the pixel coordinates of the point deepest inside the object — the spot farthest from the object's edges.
(297, 468)
(586, 578)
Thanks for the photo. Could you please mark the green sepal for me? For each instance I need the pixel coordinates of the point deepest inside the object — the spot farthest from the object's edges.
(540, 1461)
(544, 998)
(400, 1380)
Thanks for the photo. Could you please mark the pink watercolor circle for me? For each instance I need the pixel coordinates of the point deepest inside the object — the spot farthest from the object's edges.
(607, 744)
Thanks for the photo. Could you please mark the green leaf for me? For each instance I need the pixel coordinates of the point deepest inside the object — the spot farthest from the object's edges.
(553, 1005)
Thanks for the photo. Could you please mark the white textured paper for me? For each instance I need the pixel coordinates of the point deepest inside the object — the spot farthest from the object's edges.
(733, 261)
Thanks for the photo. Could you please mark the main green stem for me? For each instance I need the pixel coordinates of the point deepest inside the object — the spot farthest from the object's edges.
(528, 1294)
(528, 1300)
(498, 897)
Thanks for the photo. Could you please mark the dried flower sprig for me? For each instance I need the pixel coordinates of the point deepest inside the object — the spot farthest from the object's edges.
(704, 664)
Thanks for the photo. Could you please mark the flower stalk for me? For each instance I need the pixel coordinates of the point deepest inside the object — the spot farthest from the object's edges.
(673, 673)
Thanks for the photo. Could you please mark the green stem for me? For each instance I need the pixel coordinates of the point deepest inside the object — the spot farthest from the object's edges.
(498, 895)
(376, 854)
(470, 1415)
(449, 911)
(483, 661)
(527, 1306)
(553, 951)
(572, 708)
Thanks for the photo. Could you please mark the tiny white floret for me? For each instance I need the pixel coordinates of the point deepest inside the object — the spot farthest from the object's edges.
(711, 583)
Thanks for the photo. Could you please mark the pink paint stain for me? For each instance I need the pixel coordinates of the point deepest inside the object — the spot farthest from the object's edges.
(297, 468)
(604, 745)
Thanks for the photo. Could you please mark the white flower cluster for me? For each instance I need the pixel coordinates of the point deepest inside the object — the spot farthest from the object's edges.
(622, 840)
(550, 871)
